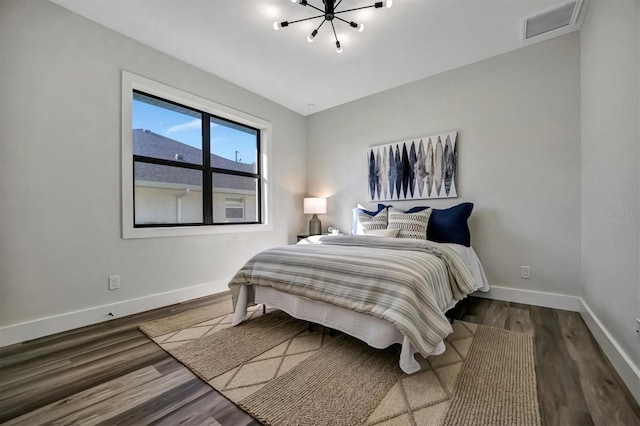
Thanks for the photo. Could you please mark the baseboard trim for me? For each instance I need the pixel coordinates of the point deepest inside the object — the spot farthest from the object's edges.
(41, 327)
(629, 373)
(532, 297)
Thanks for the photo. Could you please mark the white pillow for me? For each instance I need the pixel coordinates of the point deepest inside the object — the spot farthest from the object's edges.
(391, 233)
(409, 225)
(366, 222)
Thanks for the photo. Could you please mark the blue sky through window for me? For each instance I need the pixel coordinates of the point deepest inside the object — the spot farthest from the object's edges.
(184, 126)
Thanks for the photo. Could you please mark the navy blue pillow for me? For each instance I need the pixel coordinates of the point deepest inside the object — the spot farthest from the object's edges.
(450, 225)
(357, 211)
(417, 209)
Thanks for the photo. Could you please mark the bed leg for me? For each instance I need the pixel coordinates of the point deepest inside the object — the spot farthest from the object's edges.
(451, 315)
(264, 309)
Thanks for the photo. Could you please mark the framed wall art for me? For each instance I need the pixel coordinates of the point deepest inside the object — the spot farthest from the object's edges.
(420, 168)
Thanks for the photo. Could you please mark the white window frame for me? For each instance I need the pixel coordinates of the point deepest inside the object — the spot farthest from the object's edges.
(132, 81)
(242, 206)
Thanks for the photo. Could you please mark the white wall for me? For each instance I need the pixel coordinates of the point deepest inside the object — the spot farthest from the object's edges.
(610, 162)
(60, 172)
(518, 118)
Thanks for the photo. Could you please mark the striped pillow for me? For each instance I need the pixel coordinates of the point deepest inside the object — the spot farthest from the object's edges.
(369, 223)
(410, 225)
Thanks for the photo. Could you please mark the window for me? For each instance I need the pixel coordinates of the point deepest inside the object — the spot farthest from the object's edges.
(186, 174)
(234, 208)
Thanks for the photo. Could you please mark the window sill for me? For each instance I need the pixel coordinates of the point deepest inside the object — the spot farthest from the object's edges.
(183, 231)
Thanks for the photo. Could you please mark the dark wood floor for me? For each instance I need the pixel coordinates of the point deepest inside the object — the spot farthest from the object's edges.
(111, 373)
(576, 383)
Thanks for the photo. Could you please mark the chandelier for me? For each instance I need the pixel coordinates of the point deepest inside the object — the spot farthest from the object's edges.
(330, 14)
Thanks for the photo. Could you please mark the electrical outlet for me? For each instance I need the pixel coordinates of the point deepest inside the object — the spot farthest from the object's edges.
(525, 272)
(114, 282)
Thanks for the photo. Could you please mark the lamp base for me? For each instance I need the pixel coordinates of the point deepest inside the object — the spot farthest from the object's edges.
(315, 226)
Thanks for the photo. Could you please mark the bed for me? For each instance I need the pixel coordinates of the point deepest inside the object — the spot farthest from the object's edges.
(378, 289)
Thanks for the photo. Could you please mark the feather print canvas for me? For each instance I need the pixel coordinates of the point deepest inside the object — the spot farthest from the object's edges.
(420, 168)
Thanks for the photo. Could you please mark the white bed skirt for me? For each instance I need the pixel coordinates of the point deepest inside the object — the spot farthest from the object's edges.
(375, 332)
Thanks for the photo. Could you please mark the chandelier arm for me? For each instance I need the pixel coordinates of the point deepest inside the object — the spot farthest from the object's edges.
(343, 20)
(338, 47)
(356, 8)
(306, 19)
(334, 31)
(321, 24)
(337, 4)
(314, 7)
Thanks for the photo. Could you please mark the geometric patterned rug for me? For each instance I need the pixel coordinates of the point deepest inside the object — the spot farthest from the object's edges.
(391, 397)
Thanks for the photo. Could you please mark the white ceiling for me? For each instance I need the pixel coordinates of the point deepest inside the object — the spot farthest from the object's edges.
(235, 40)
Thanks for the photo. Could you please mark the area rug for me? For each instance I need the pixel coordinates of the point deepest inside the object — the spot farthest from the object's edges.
(184, 320)
(281, 373)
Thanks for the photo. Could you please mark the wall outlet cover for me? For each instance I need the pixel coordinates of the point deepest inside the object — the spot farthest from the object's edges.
(114, 282)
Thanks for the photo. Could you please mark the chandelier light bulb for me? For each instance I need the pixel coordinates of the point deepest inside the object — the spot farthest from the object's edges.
(311, 36)
(338, 47)
(359, 27)
(388, 3)
(277, 25)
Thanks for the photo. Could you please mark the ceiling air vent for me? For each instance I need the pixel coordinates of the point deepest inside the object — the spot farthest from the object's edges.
(547, 20)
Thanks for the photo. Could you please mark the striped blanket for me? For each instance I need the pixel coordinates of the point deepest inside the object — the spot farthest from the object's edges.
(409, 283)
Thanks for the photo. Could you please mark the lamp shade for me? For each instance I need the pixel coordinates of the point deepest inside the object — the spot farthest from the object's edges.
(315, 206)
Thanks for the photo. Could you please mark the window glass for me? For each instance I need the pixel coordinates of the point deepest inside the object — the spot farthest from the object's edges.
(166, 195)
(233, 146)
(165, 130)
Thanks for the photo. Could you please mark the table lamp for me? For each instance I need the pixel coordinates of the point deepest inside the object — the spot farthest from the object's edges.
(315, 206)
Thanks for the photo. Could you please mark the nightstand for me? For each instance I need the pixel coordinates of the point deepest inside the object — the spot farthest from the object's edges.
(302, 237)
